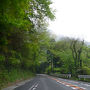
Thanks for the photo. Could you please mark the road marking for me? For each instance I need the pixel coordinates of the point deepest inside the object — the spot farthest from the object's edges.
(69, 84)
(73, 88)
(34, 86)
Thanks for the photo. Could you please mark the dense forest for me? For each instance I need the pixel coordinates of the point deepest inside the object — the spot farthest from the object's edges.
(23, 37)
(27, 47)
(69, 56)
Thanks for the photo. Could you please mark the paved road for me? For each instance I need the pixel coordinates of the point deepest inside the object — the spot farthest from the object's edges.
(44, 82)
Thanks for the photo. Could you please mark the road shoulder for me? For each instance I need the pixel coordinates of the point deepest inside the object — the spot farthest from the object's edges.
(17, 84)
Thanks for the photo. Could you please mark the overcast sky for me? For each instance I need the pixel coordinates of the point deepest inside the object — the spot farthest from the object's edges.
(72, 18)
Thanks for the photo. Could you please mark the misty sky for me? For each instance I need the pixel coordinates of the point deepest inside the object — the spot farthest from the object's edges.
(72, 18)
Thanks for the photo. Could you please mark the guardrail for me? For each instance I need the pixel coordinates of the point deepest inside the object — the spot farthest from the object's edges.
(62, 75)
(69, 76)
(83, 76)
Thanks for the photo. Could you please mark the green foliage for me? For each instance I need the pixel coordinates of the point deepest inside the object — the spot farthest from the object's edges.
(23, 36)
(13, 76)
(14, 61)
(61, 60)
(2, 58)
(85, 70)
(25, 43)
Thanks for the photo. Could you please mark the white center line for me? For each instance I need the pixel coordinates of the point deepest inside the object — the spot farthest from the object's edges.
(73, 88)
(68, 85)
(34, 86)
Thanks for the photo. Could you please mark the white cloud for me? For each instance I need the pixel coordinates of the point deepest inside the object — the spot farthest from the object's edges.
(72, 18)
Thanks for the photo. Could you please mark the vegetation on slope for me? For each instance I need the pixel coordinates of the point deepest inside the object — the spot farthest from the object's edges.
(23, 32)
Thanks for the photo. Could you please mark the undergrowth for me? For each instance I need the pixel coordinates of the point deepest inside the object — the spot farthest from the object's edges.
(14, 75)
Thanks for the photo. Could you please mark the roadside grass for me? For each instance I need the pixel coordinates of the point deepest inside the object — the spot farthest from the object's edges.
(14, 76)
(85, 80)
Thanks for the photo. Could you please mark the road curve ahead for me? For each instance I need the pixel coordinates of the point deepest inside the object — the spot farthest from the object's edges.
(44, 82)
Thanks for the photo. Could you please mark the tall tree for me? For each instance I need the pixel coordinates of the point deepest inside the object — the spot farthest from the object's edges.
(76, 47)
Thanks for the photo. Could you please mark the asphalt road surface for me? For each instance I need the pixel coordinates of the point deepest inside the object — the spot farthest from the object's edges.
(45, 82)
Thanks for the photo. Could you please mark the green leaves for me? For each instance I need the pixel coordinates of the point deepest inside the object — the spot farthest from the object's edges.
(23, 32)
(24, 38)
(2, 58)
(14, 61)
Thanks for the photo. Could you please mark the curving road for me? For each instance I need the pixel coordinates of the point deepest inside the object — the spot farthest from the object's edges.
(44, 82)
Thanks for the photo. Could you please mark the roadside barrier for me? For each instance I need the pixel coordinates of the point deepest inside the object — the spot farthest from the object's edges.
(62, 75)
(83, 76)
(69, 76)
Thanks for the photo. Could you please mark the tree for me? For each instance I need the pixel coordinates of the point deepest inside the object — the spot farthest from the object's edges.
(76, 47)
(22, 23)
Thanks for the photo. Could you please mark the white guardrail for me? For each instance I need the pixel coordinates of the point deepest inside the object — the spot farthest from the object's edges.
(69, 76)
(83, 76)
(62, 75)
